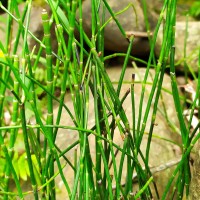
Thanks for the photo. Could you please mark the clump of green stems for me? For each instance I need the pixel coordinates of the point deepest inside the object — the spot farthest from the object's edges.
(85, 73)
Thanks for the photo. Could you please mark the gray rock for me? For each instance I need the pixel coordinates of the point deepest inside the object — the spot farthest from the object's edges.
(161, 151)
(113, 38)
(195, 181)
(129, 20)
(192, 44)
(115, 41)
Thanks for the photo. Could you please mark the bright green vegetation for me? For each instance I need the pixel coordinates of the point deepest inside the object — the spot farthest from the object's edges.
(195, 9)
(82, 72)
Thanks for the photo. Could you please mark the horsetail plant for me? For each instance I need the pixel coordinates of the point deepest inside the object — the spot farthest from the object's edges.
(103, 170)
(49, 120)
(8, 153)
(13, 132)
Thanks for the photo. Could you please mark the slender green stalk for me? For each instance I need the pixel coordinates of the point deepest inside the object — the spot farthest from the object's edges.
(5, 73)
(84, 99)
(133, 107)
(180, 165)
(113, 16)
(125, 64)
(155, 78)
(67, 52)
(58, 64)
(28, 151)
(8, 27)
(13, 132)
(20, 28)
(56, 99)
(148, 28)
(26, 60)
(107, 131)
(153, 118)
(130, 168)
(142, 190)
(107, 57)
(49, 120)
(98, 129)
(118, 13)
(122, 160)
(106, 79)
(9, 161)
(184, 131)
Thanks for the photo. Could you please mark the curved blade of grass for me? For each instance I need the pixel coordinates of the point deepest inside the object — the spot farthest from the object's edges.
(113, 16)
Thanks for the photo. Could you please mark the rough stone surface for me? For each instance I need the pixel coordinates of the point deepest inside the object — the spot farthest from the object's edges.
(192, 44)
(195, 181)
(129, 20)
(114, 40)
(161, 151)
